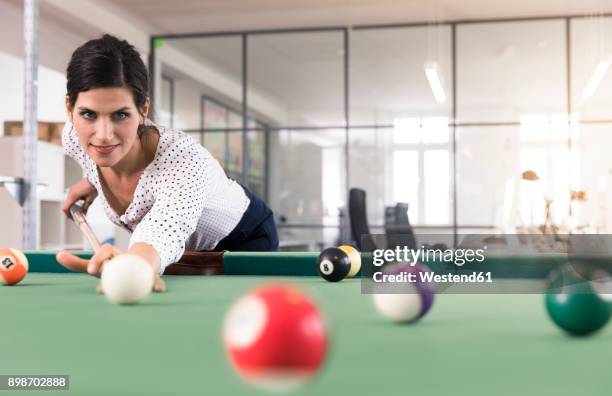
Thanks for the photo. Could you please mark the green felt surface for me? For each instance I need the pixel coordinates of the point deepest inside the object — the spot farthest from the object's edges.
(171, 344)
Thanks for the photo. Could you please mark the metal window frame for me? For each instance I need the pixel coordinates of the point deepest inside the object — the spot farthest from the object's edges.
(453, 125)
(171, 82)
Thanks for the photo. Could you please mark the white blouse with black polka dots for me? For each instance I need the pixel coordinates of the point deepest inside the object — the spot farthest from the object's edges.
(183, 200)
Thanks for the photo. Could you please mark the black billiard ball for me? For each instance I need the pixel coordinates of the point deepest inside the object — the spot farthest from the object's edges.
(333, 264)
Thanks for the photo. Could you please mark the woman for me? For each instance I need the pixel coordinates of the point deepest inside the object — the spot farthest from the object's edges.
(158, 183)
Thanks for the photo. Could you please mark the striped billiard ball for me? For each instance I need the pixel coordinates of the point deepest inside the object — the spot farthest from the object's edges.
(13, 266)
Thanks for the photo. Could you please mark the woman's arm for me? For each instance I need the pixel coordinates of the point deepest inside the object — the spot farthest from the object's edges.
(107, 252)
(180, 195)
(80, 190)
(147, 252)
(93, 266)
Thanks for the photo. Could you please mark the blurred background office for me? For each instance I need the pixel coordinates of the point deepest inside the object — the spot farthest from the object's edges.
(438, 117)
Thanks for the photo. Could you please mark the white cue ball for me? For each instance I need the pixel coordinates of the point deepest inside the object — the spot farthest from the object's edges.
(398, 307)
(127, 279)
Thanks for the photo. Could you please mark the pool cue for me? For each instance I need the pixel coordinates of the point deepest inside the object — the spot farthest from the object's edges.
(76, 211)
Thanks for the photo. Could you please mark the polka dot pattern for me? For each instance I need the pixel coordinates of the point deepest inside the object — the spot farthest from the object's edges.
(183, 200)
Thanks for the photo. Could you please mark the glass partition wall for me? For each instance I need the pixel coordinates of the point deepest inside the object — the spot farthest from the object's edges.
(481, 126)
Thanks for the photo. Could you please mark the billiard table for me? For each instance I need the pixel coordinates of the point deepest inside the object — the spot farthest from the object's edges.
(469, 344)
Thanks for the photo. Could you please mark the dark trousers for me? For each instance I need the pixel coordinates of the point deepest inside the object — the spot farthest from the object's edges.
(256, 230)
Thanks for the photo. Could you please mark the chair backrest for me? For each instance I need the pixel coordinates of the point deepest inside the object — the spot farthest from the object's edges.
(401, 214)
(360, 230)
(399, 231)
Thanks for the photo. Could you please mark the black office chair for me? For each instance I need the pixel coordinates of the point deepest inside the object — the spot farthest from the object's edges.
(397, 227)
(360, 231)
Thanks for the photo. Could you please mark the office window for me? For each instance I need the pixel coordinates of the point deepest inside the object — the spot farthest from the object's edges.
(296, 79)
(508, 69)
(388, 77)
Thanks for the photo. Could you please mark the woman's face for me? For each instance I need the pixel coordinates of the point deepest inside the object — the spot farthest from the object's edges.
(106, 121)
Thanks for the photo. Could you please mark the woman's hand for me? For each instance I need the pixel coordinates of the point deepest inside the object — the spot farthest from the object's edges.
(92, 266)
(80, 190)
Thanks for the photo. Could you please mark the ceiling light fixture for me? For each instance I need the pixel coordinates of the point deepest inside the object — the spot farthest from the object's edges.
(432, 72)
(598, 74)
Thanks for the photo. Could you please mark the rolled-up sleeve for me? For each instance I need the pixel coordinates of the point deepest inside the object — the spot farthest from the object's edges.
(179, 201)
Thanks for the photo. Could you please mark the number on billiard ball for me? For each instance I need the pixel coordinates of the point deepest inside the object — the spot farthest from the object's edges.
(333, 264)
(13, 266)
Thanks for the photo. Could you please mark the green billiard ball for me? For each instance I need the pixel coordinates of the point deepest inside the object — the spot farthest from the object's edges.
(578, 314)
(574, 306)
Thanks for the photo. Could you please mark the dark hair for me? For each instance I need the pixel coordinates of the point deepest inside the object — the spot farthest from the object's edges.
(107, 62)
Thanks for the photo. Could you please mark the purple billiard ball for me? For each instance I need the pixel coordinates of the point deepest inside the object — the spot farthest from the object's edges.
(408, 301)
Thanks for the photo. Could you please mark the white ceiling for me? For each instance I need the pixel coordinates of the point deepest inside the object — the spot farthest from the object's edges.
(315, 59)
(271, 58)
(184, 16)
(59, 35)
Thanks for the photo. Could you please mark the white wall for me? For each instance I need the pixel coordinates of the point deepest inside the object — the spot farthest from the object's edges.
(11, 94)
(56, 43)
(51, 91)
(186, 105)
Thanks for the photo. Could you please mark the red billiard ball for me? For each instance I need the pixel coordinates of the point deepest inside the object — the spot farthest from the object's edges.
(13, 266)
(275, 337)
